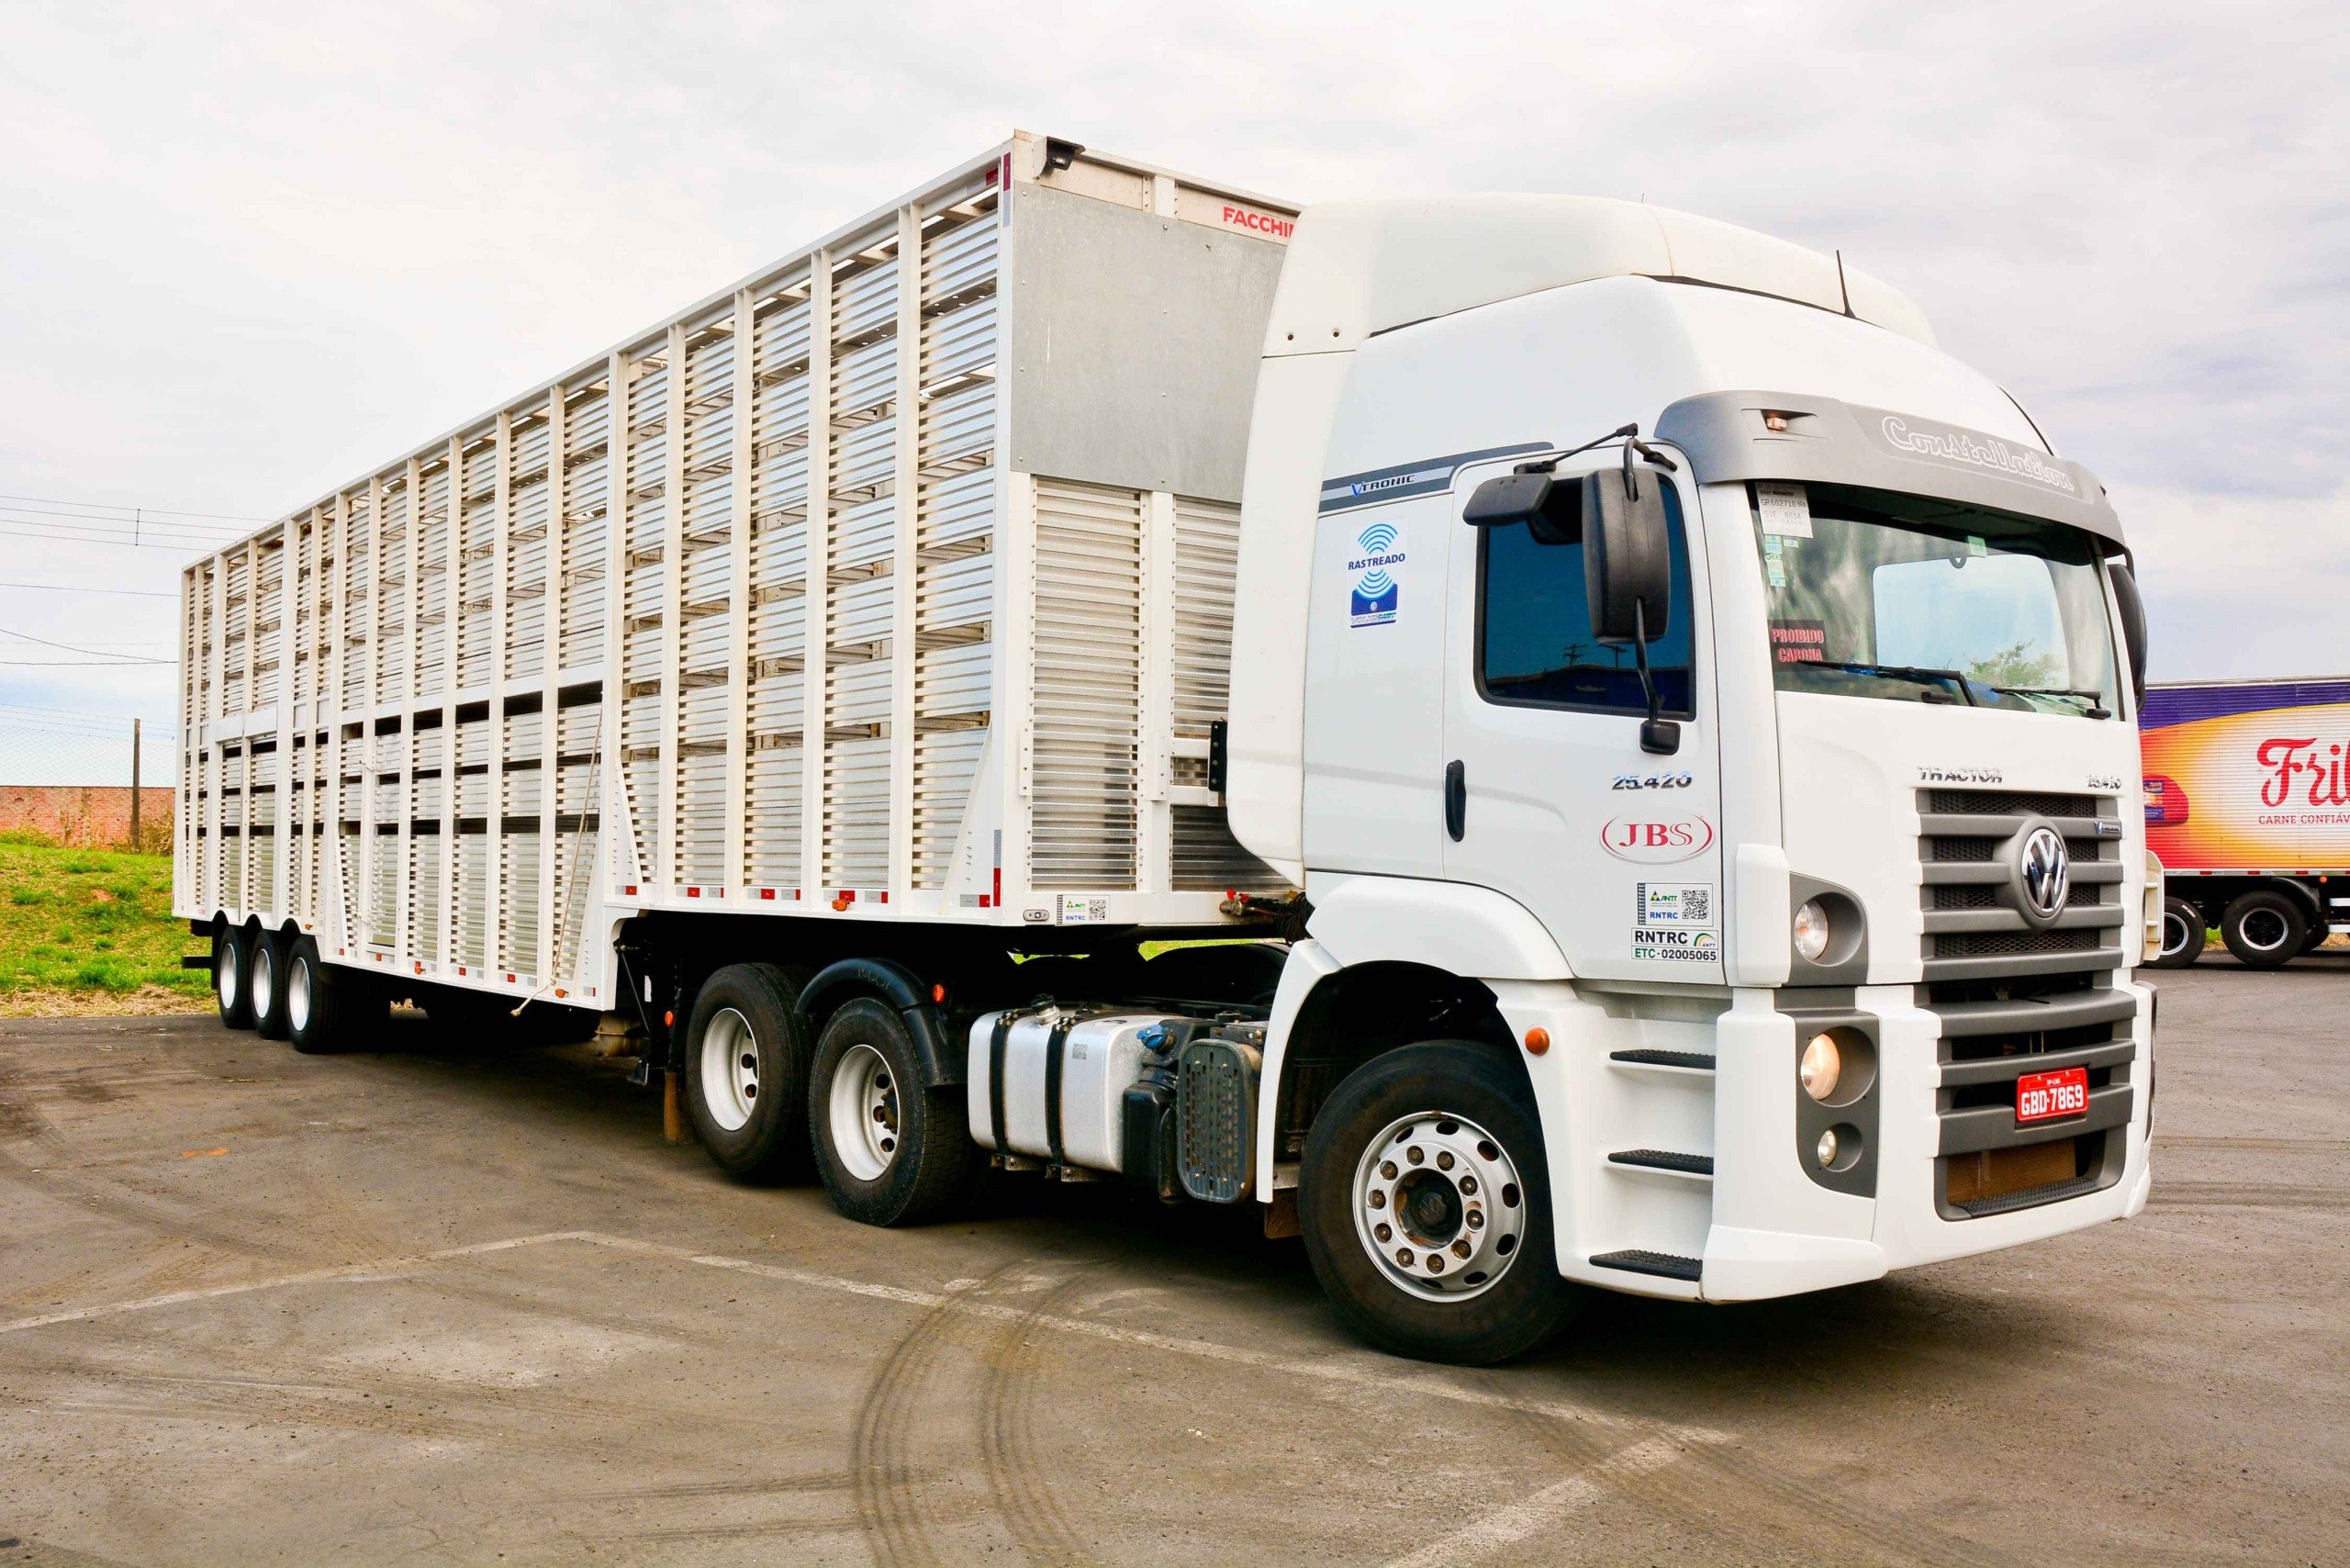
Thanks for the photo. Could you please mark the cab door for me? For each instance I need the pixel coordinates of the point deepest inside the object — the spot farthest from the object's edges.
(1550, 798)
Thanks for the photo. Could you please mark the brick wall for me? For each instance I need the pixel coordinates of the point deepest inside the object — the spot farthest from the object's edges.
(89, 815)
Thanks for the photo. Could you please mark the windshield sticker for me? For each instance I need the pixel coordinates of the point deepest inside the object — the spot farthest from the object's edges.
(1975, 545)
(1798, 642)
(1687, 905)
(1786, 510)
(1775, 560)
(1371, 588)
(1674, 946)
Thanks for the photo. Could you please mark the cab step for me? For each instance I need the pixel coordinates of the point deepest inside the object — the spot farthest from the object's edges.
(1664, 1265)
(1692, 1061)
(1664, 1159)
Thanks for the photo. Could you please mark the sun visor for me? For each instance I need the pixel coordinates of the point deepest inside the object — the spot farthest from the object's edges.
(1735, 436)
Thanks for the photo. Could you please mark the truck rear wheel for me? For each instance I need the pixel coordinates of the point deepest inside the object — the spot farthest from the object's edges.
(747, 1072)
(2264, 928)
(1425, 1206)
(325, 1008)
(890, 1150)
(265, 981)
(230, 982)
(2182, 934)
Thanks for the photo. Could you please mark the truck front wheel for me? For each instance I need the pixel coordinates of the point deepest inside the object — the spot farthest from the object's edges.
(2264, 929)
(890, 1150)
(747, 1072)
(2182, 934)
(1425, 1206)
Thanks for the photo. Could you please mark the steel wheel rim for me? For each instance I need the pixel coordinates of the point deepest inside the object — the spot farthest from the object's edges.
(298, 995)
(1440, 1206)
(264, 973)
(862, 1107)
(2245, 927)
(2184, 934)
(730, 1070)
(224, 975)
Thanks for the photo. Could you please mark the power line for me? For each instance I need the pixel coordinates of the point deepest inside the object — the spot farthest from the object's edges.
(184, 547)
(120, 527)
(44, 641)
(165, 511)
(76, 588)
(84, 664)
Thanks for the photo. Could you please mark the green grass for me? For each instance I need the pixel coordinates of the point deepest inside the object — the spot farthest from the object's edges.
(88, 920)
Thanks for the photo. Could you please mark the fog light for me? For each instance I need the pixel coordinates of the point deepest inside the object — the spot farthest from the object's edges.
(1827, 1147)
(1823, 1064)
(1811, 931)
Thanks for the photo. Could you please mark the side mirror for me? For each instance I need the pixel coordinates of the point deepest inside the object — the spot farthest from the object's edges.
(1626, 556)
(1627, 577)
(1531, 497)
(2133, 606)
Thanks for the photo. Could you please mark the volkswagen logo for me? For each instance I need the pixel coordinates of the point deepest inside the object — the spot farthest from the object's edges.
(2043, 873)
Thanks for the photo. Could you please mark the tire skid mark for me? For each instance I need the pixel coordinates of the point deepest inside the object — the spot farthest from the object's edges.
(890, 1509)
(1018, 1476)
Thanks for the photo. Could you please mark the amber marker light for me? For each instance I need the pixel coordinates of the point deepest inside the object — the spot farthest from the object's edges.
(1537, 1040)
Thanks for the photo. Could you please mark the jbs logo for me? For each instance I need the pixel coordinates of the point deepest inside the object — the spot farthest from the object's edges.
(1657, 840)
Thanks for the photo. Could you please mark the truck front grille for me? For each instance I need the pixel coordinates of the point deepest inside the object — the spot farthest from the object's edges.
(1973, 930)
(1993, 1032)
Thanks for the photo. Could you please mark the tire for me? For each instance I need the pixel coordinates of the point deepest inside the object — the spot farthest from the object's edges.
(1470, 1104)
(231, 980)
(2264, 928)
(752, 1120)
(888, 1151)
(326, 1008)
(265, 983)
(2183, 928)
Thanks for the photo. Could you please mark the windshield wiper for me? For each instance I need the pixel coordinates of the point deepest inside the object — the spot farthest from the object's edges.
(1908, 672)
(2096, 709)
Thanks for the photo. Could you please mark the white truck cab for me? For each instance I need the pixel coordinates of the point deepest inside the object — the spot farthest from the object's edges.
(1774, 986)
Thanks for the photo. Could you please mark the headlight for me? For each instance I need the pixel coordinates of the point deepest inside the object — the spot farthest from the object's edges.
(1828, 1149)
(1811, 931)
(1823, 1064)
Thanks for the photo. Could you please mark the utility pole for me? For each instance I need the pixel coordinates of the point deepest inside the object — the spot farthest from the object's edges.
(134, 784)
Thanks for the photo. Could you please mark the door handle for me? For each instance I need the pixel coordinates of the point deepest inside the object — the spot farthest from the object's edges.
(1456, 800)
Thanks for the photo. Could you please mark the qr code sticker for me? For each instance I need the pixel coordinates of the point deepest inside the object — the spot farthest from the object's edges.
(1688, 904)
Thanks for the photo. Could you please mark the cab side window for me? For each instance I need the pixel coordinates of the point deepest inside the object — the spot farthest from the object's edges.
(1534, 641)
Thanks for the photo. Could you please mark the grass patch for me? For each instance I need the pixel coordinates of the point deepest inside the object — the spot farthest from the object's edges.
(93, 921)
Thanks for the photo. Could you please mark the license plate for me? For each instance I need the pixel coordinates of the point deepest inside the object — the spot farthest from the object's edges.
(2044, 1096)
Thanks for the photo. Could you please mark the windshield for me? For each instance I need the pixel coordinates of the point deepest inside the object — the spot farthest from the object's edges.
(1912, 600)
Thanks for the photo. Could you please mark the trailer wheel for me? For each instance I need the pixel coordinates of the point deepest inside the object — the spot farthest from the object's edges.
(2183, 928)
(890, 1150)
(265, 982)
(324, 1008)
(1425, 1206)
(231, 983)
(2264, 928)
(747, 1072)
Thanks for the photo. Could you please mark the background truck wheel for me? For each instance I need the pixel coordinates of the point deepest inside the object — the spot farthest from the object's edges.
(1426, 1207)
(323, 1007)
(747, 1072)
(265, 983)
(2264, 929)
(890, 1151)
(2183, 931)
(231, 983)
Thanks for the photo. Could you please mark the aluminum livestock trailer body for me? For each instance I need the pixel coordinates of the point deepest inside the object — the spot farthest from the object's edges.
(892, 584)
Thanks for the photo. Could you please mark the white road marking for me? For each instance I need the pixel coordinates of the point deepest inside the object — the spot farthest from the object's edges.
(1353, 1369)
(1544, 1510)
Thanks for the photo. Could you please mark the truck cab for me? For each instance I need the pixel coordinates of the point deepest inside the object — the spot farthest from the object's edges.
(1804, 916)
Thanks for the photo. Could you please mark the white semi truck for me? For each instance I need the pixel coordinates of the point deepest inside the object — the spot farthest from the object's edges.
(1655, 739)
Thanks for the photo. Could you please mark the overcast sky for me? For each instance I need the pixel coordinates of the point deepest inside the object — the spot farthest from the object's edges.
(250, 252)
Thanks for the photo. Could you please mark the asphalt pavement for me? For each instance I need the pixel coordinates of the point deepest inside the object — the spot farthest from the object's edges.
(446, 1302)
